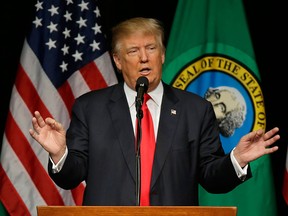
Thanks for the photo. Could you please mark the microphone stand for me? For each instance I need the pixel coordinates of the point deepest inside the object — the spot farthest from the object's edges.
(139, 116)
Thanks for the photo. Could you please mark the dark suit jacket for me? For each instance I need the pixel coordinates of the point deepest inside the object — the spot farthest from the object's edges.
(101, 145)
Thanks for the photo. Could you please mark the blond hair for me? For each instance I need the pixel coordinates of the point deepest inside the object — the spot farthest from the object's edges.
(146, 26)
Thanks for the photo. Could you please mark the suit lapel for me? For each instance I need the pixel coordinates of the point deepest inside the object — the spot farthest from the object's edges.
(120, 114)
(167, 126)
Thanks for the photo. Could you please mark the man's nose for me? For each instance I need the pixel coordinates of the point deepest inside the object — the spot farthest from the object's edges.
(143, 55)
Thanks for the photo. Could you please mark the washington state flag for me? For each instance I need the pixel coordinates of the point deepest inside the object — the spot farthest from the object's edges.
(210, 53)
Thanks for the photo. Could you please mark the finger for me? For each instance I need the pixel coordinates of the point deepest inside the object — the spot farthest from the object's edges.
(51, 122)
(271, 133)
(35, 125)
(53, 125)
(33, 133)
(255, 135)
(271, 150)
(272, 140)
(39, 119)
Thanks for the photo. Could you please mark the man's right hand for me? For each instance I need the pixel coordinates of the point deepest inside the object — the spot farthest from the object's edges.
(50, 134)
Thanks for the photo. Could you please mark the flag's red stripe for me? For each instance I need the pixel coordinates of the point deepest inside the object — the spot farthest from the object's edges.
(29, 93)
(30, 161)
(67, 96)
(9, 196)
(285, 186)
(77, 194)
(93, 76)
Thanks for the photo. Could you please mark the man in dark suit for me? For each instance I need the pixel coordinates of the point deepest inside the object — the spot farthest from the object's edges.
(99, 147)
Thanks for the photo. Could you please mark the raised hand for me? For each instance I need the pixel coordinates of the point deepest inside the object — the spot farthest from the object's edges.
(256, 144)
(50, 134)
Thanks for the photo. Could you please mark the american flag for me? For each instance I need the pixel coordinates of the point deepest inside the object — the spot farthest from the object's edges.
(63, 57)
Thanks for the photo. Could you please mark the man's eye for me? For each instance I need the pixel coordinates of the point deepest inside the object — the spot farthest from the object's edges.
(223, 108)
(132, 52)
(217, 95)
(151, 48)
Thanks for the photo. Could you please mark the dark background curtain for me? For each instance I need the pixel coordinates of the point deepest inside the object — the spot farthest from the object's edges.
(267, 21)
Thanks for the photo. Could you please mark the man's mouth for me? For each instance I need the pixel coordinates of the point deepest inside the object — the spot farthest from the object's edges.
(145, 71)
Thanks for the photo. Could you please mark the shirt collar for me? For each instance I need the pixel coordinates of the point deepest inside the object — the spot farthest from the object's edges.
(156, 94)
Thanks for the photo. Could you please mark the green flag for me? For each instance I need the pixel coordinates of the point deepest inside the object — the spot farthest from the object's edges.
(210, 53)
(3, 211)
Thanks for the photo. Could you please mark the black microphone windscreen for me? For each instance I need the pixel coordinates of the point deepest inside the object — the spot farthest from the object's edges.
(142, 82)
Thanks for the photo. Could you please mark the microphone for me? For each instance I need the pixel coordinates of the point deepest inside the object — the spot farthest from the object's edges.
(141, 88)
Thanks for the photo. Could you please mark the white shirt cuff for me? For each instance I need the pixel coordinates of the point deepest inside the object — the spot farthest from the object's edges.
(56, 168)
(241, 172)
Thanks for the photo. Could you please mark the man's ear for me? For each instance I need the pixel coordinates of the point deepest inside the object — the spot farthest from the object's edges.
(163, 57)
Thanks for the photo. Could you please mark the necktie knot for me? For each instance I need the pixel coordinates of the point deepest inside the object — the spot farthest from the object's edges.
(146, 98)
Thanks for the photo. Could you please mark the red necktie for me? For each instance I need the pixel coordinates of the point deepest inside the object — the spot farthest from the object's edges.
(147, 148)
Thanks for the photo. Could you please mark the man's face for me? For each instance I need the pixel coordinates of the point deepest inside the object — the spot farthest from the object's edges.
(140, 55)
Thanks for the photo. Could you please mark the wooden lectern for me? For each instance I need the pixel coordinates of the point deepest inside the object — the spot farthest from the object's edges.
(136, 211)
